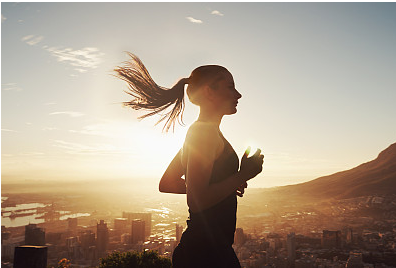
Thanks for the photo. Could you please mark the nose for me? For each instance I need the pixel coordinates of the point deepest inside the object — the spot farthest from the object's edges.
(238, 95)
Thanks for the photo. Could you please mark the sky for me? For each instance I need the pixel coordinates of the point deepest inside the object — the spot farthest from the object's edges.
(317, 80)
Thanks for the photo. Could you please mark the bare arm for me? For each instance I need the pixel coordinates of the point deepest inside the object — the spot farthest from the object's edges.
(203, 144)
(172, 181)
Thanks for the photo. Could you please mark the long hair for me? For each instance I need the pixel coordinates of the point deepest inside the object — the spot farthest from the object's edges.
(149, 96)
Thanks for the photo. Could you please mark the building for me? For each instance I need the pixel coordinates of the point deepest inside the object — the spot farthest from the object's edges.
(137, 231)
(30, 256)
(87, 239)
(240, 237)
(125, 238)
(274, 241)
(102, 237)
(34, 236)
(73, 248)
(347, 235)
(355, 260)
(146, 217)
(4, 234)
(179, 232)
(120, 225)
(88, 244)
(331, 239)
(291, 247)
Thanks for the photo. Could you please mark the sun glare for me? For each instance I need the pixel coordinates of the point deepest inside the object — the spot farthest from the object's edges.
(253, 147)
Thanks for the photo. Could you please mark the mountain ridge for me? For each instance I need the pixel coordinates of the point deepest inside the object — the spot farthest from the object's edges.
(377, 176)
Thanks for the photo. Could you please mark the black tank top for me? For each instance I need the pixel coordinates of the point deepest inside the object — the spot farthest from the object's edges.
(216, 225)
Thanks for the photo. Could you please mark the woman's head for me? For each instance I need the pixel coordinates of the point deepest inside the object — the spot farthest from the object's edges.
(206, 75)
(149, 96)
(213, 85)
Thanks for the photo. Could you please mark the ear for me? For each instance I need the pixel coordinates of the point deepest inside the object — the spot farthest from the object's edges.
(208, 93)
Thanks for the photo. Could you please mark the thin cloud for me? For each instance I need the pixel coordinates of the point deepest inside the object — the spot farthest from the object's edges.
(10, 87)
(32, 154)
(80, 70)
(77, 148)
(32, 39)
(191, 19)
(98, 130)
(50, 103)
(8, 130)
(27, 37)
(49, 128)
(83, 59)
(69, 113)
(216, 12)
(3, 18)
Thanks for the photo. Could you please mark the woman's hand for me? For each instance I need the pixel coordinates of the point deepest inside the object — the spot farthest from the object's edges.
(241, 189)
(251, 166)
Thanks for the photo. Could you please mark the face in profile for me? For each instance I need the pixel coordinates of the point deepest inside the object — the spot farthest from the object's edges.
(225, 95)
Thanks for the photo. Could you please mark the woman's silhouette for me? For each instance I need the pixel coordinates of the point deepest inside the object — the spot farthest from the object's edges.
(209, 164)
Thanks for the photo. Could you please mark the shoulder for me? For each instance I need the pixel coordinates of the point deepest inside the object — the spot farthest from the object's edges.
(202, 131)
(203, 137)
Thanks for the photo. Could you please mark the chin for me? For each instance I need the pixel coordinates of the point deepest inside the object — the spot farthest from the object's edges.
(232, 112)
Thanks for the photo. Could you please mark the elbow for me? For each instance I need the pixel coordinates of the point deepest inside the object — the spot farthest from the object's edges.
(162, 186)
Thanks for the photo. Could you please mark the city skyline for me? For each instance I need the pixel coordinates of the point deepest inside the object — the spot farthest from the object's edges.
(317, 81)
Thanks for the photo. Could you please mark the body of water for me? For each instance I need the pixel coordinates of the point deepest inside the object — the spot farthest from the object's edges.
(34, 217)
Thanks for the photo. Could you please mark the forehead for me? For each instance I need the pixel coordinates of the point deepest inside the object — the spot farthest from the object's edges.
(227, 77)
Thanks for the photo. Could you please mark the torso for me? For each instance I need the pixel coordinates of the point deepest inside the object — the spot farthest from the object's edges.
(216, 225)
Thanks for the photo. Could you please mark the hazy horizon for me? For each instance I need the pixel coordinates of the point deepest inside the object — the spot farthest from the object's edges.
(317, 81)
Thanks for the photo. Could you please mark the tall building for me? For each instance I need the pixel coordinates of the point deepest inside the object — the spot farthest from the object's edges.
(88, 244)
(137, 232)
(239, 238)
(120, 225)
(71, 241)
(146, 217)
(179, 232)
(291, 247)
(34, 236)
(102, 237)
(73, 247)
(30, 256)
(87, 239)
(331, 239)
(274, 241)
(347, 236)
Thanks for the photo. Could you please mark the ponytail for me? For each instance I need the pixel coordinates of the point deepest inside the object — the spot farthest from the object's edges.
(149, 96)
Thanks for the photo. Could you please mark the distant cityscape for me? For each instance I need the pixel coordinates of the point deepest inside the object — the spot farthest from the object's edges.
(357, 232)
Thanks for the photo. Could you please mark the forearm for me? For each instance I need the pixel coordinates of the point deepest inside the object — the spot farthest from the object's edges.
(176, 186)
(214, 193)
(172, 181)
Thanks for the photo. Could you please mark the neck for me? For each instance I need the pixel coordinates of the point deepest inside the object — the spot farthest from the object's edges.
(210, 117)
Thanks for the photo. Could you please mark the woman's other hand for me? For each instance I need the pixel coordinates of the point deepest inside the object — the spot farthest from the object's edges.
(251, 166)
(241, 189)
